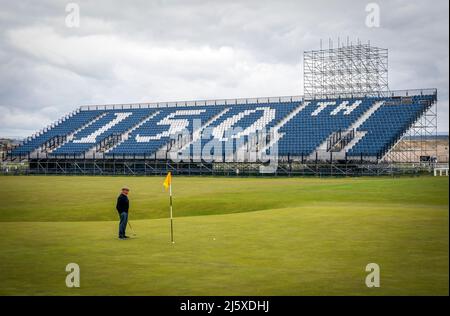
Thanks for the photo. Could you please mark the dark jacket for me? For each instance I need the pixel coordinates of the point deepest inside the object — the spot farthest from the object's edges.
(122, 204)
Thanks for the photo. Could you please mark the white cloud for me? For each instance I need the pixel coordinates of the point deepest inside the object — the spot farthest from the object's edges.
(124, 70)
(180, 50)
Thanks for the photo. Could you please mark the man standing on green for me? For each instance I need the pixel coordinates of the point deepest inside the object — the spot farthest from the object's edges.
(122, 207)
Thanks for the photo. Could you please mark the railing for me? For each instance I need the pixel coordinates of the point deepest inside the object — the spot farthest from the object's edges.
(54, 142)
(108, 142)
(334, 139)
(263, 100)
(338, 140)
(377, 94)
(441, 171)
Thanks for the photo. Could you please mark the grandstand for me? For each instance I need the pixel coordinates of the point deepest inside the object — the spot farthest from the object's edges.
(347, 128)
(318, 133)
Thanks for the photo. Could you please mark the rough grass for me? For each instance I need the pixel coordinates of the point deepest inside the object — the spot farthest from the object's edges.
(261, 236)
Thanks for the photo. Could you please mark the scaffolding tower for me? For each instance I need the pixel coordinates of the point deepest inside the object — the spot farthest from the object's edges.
(346, 71)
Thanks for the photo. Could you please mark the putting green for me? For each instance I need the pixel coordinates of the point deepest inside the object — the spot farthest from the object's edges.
(233, 236)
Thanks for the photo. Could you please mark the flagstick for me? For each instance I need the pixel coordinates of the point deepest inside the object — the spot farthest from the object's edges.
(171, 214)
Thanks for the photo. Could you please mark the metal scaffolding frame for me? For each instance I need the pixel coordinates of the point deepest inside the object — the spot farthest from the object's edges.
(151, 167)
(419, 144)
(355, 70)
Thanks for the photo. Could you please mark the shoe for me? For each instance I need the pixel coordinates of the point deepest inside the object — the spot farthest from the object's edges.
(126, 237)
(122, 238)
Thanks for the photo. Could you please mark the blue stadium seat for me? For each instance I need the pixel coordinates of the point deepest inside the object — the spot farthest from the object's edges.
(66, 126)
(303, 127)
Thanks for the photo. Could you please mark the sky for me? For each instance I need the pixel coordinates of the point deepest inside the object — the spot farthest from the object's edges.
(53, 60)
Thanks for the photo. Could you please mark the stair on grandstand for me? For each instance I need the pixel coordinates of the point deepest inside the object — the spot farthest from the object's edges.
(53, 143)
(105, 144)
(340, 142)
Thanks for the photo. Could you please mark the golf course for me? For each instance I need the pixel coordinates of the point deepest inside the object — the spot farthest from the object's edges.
(233, 236)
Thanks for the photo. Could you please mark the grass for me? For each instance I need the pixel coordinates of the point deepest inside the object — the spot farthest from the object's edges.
(233, 236)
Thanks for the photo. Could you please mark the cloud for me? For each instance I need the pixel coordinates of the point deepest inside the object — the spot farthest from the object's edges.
(180, 50)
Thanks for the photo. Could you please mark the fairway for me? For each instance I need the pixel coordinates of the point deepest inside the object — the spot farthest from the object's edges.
(248, 236)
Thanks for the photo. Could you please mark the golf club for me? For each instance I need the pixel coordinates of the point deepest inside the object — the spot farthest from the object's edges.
(131, 228)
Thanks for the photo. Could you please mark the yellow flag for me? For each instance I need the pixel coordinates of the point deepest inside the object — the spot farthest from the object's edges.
(168, 181)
